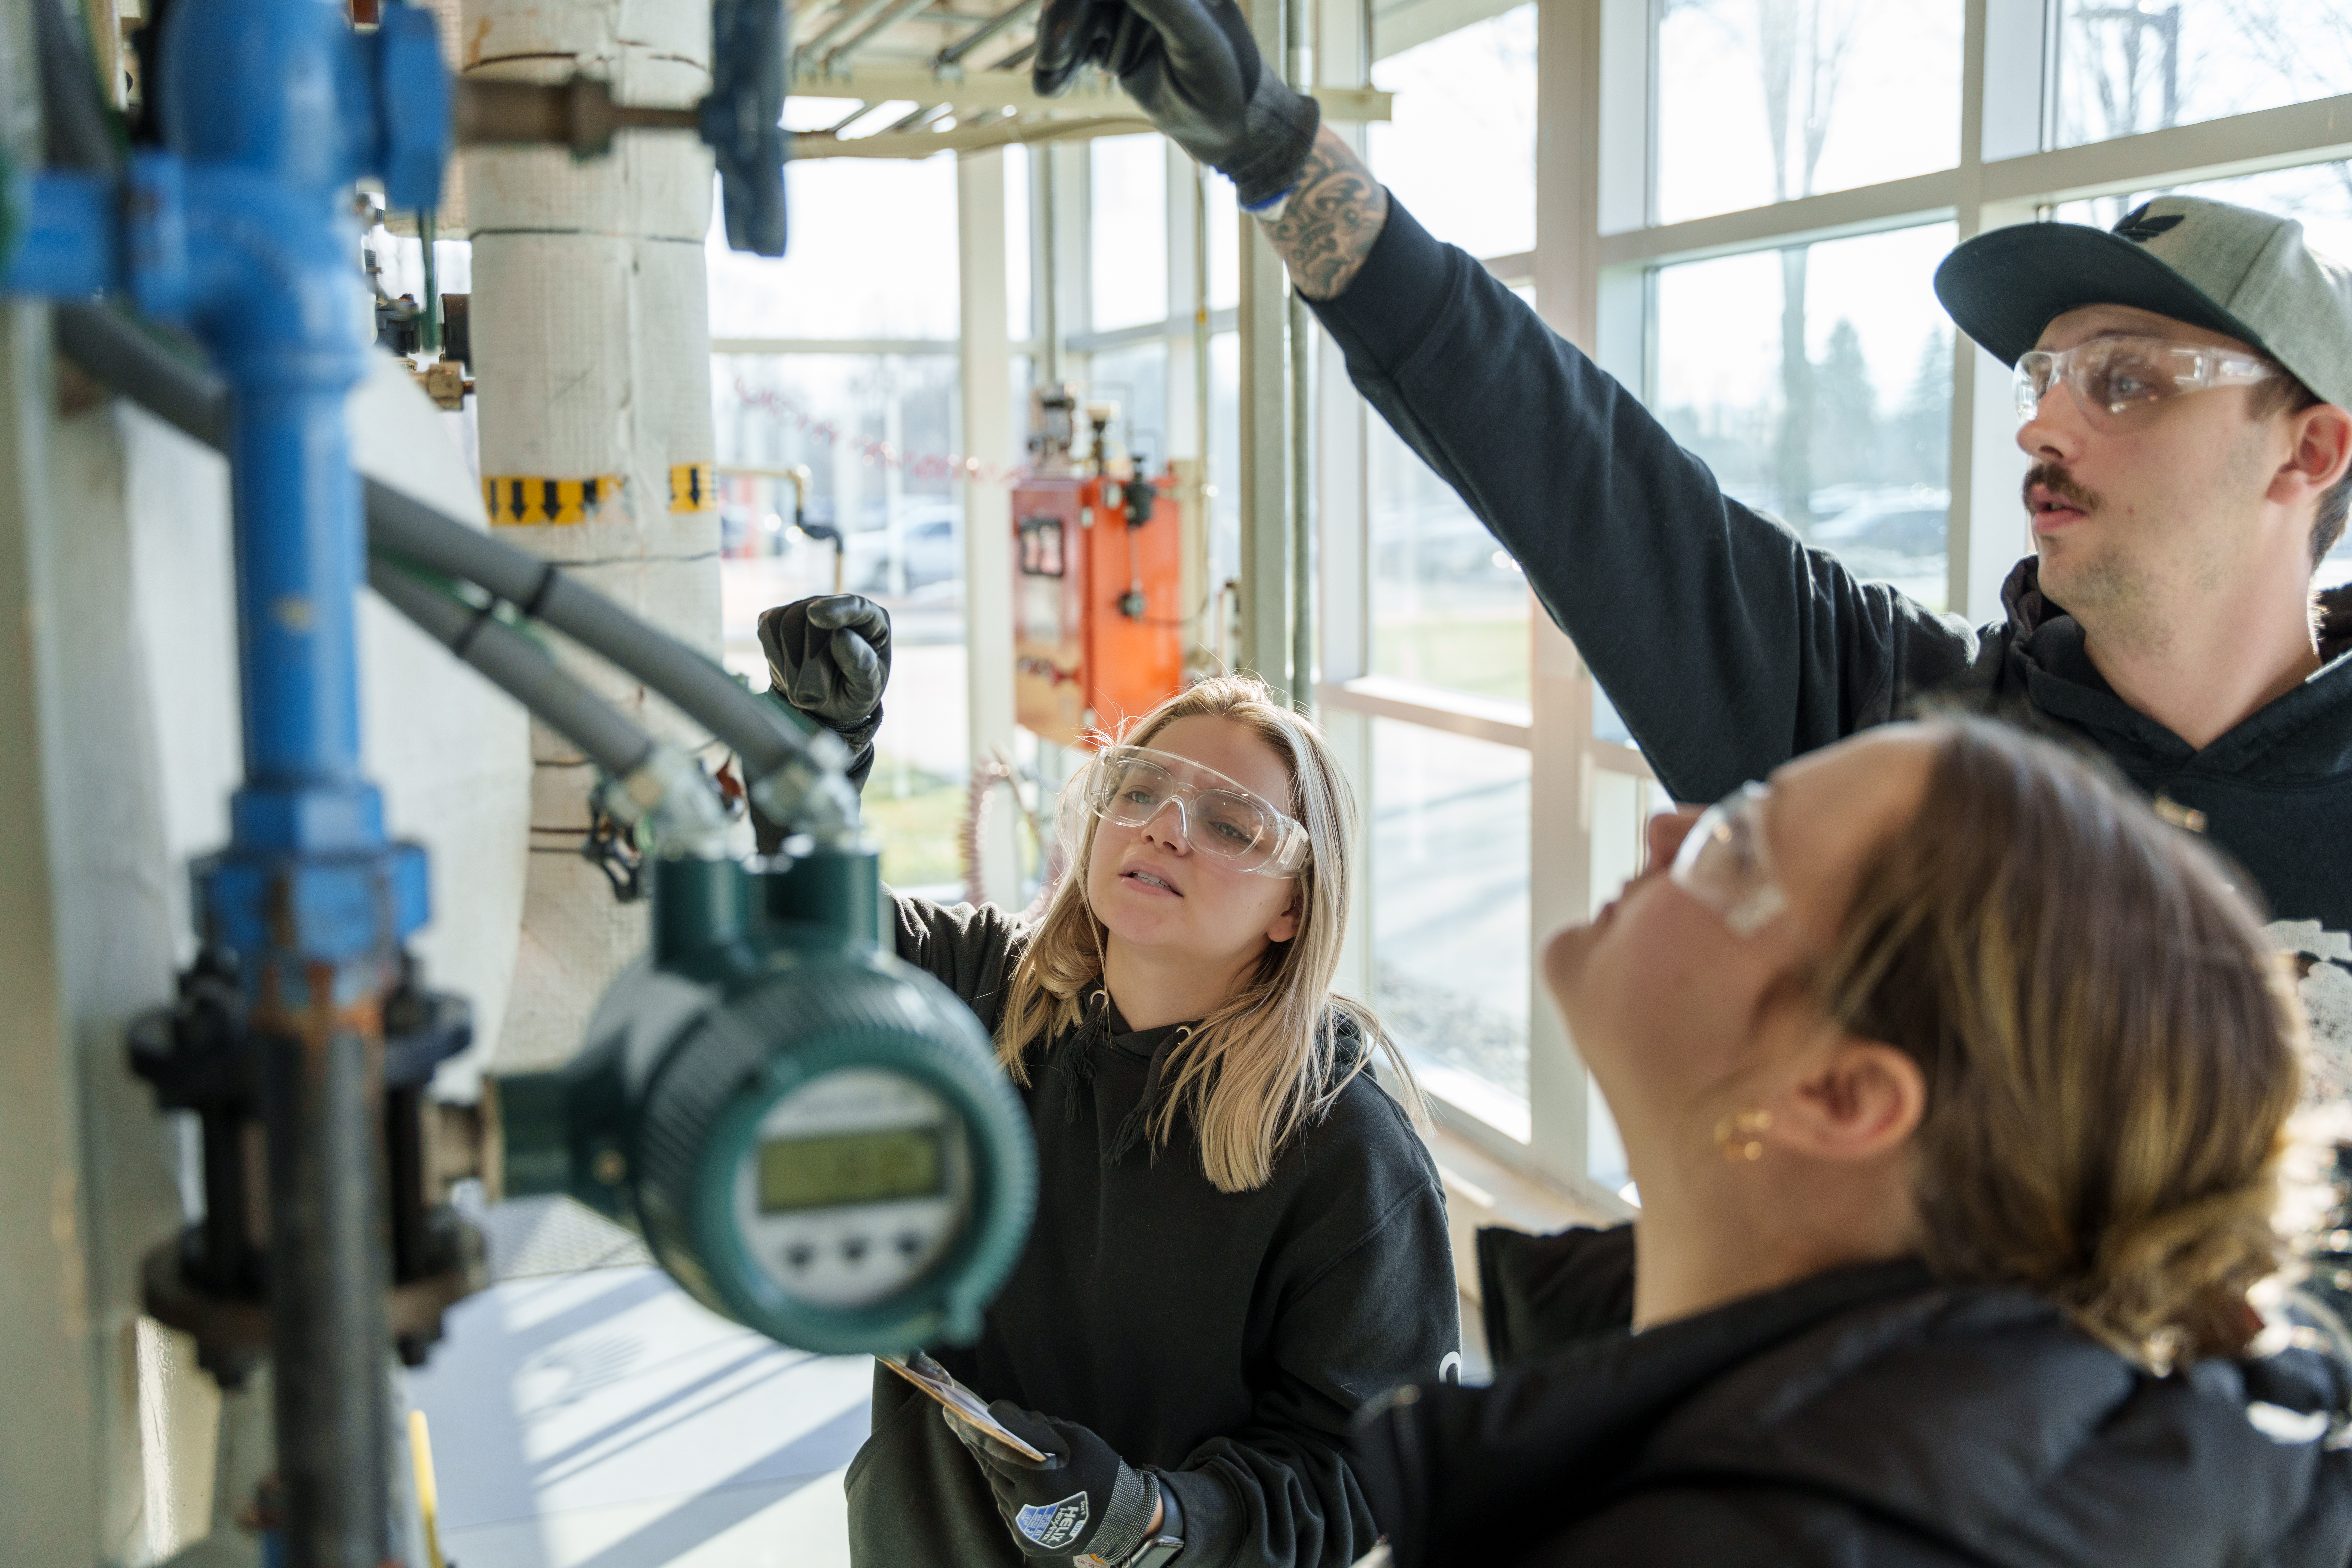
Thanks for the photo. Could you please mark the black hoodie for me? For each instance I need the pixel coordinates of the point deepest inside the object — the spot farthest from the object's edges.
(1729, 647)
(1228, 1338)
(1868, 1416)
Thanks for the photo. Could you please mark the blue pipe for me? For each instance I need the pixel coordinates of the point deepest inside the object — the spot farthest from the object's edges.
(242, 233)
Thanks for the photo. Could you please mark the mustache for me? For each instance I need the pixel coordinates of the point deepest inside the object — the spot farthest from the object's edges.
(2059, 483)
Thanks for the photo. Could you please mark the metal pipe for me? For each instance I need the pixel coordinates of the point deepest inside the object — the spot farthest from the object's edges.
(954, 53)
(430, 337)
(1045, 261)
(769, 740)
(135, 364)
(1201, 368)
(1302, 497)
(517, 668)
(848, 19)
(898, 12)
(308, 894)
(131, 360)
(923, 113)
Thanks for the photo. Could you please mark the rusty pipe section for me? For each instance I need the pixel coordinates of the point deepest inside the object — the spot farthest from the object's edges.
(320, 1028)
(578, 112)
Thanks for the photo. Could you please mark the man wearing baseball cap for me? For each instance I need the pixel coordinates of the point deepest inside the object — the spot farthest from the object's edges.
(2182, 386)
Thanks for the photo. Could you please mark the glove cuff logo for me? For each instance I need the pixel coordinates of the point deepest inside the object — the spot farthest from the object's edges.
(1054, 1525)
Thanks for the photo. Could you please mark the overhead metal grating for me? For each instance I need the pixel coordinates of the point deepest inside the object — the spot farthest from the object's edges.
(955, 80)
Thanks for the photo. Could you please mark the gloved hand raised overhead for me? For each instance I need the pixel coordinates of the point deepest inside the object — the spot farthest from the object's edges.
(1083, 1498)
(829, 659)
(1195, 70)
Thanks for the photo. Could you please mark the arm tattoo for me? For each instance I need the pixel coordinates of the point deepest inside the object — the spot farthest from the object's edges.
(1334, 214)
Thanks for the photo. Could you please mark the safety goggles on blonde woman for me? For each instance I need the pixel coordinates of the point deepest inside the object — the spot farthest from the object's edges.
(1131, 786)
(1726, 864)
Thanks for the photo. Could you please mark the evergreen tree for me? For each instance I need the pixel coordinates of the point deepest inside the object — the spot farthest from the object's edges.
(1846, 445)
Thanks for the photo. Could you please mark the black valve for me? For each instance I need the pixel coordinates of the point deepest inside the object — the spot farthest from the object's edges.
(212, 1280)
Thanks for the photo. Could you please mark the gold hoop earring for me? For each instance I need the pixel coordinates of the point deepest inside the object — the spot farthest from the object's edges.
(1735, 1134)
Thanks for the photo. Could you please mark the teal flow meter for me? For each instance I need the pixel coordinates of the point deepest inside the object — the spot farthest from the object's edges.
(814, 1137)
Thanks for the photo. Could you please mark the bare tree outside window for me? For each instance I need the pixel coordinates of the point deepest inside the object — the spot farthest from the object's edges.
(2126, 66)
(1801, 48)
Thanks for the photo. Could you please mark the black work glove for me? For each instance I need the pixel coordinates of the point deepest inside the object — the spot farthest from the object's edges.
(1083, 1498)
(1195, 70)
(828, 658)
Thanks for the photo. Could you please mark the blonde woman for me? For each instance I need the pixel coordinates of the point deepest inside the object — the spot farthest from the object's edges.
(1955, 1085)
(1240, 1237)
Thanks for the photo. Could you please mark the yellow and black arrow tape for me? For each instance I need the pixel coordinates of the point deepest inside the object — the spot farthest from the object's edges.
(693, 487)
(516, 501)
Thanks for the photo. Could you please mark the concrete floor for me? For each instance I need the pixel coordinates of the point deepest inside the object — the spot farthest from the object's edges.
(604, 1419)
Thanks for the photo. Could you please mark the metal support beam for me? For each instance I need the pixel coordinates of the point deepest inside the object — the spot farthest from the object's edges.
(1568, 118)
(986, 375)
(1091, 94)
(1010, 16)
(1299, 70)
(1265, 551)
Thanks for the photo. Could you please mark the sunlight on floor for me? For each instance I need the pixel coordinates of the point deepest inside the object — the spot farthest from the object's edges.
(604, 1419)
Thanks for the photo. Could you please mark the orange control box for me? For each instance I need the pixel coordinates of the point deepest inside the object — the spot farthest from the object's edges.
(1098, 632)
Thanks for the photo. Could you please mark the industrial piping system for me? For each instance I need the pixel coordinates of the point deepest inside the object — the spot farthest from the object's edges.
(769, 1069)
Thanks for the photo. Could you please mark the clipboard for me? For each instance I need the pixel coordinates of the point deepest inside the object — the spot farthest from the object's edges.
(936, 1381)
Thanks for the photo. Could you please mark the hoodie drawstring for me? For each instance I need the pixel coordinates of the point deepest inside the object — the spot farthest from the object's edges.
(1075, 1058)
(1132, 1127)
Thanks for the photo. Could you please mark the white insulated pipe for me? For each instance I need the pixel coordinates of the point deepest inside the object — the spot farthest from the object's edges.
(592, 367)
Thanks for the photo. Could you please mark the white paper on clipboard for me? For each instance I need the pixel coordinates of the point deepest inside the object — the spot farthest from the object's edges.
(936, 1381)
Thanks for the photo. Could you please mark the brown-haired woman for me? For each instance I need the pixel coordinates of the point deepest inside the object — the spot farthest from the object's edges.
(1955, 1085)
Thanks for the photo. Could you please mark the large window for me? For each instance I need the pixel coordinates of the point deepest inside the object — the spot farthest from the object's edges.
(2128, 68)
(1449, 605)
(1817, 382)
(873, 431)
(1127, 208)
(1461, 152)
(1780, 179)
(1449, 608)
(1449, 893)
(1768, 100)
(897, 281)
(876, 430)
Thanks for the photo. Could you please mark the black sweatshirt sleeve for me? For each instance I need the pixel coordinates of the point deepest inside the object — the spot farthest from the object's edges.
(1725, 642)
(1280, 1493)
(968, 948)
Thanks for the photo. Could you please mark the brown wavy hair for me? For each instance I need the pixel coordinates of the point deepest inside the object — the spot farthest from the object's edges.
(2112, 1050)
(1273, 1058)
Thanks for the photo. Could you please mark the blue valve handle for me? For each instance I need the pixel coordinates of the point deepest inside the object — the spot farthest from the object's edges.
(741, 119)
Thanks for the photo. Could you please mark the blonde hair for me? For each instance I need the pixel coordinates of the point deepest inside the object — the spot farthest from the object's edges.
(2112, 1050)
(1269, 1060)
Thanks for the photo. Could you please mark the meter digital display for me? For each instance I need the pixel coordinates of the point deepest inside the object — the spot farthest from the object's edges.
(860, 1168)
(853, 1184)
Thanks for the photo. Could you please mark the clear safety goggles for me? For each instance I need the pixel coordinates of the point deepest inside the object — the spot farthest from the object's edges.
(2116, 381)
(1131, 786)
(1724, 863)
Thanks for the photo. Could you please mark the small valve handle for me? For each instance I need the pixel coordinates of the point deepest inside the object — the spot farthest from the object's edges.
(741, 119)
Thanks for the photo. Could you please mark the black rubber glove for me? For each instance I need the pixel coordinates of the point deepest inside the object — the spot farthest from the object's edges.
(1195, 70)
(1083, 1498)
(829, 659)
